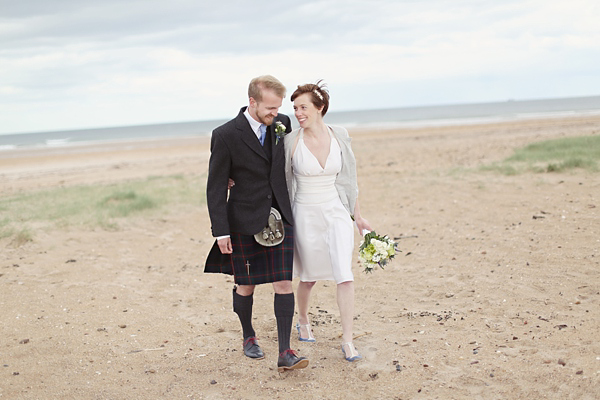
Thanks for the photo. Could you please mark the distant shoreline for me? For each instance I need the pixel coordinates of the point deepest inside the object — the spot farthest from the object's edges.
(358, 120)
(45, 160)
(472, 121)
(63, 148)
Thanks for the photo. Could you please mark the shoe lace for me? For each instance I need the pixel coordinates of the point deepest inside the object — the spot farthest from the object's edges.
(288, 351)
(251, 340)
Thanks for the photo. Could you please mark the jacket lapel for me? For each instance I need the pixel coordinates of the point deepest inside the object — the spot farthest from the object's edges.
(248, 135)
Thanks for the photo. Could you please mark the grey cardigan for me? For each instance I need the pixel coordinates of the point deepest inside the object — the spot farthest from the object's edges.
(345, 182)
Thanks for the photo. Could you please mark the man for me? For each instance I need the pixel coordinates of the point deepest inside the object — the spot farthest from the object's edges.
(247, 150)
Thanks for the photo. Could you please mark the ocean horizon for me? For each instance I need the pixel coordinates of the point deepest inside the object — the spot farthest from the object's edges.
(418, 116)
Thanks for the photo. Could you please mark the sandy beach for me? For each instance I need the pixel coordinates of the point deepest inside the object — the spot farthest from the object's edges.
(495, 295)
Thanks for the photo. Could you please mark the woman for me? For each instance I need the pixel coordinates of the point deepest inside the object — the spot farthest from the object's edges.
(321, 178)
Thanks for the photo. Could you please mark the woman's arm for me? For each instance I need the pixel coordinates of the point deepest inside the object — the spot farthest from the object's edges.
(361, 223)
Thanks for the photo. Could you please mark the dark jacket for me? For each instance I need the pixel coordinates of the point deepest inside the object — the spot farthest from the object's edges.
(258, 173)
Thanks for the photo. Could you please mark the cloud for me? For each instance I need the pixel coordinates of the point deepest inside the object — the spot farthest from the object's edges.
(73, 63)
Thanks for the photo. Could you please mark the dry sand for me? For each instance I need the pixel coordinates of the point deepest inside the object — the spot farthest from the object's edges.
(495, 295)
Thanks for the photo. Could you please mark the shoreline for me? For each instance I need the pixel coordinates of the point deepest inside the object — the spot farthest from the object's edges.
(448, 115)
(101, 162)
(397, 128)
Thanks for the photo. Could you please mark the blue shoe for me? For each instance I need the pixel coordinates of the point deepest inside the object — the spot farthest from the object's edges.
(310, 336)
(354, 356)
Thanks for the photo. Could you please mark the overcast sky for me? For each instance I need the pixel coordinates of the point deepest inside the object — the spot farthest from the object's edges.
(67, 64)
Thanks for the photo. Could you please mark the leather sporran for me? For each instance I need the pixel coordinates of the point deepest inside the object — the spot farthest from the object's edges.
(273, 233)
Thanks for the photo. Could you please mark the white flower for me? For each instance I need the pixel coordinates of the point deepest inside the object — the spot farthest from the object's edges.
(376, 250)
(280, 131)
(380, 246)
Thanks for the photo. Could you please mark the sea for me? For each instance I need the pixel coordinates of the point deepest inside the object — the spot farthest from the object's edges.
(437, 115)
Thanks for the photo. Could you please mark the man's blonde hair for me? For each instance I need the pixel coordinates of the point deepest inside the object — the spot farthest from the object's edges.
(260, 83)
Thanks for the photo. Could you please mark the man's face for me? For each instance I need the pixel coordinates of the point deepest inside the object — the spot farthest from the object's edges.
(265, 110)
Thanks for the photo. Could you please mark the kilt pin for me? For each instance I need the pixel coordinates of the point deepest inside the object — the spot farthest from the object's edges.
(252, 263)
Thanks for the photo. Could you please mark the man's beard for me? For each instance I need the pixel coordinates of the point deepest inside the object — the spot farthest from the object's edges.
(267, 119)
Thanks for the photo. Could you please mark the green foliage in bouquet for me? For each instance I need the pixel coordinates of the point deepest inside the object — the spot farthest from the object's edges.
(376, 250)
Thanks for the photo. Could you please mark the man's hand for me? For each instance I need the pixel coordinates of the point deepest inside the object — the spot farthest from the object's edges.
(225, 245)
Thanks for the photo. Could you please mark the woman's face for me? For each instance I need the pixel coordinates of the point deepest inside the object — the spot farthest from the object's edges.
(305, 111)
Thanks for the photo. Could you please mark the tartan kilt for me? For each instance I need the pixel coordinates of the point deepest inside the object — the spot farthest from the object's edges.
(254, 264)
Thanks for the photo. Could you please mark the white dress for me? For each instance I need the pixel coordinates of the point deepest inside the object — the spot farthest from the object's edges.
(323, 230)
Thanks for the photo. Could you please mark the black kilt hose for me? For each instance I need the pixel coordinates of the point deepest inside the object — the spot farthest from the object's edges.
(252, 263)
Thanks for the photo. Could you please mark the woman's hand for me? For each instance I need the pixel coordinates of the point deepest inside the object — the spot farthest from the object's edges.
(362, 225)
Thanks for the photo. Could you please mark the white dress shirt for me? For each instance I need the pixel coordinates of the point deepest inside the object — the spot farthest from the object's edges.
(254, 124)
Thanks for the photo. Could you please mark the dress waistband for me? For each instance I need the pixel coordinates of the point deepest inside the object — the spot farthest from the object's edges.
(315, 189)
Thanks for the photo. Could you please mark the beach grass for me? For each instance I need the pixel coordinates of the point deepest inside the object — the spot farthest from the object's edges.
(95, 205)
(557, 155)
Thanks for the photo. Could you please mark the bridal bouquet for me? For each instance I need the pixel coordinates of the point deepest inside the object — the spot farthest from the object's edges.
(376, 250)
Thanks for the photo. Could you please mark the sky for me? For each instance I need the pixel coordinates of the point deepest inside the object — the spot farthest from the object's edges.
(75, 64)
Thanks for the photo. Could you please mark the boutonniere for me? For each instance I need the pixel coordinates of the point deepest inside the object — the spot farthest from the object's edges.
(279, 131)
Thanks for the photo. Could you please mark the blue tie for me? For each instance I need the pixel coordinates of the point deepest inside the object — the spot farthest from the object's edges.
(263, 133)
